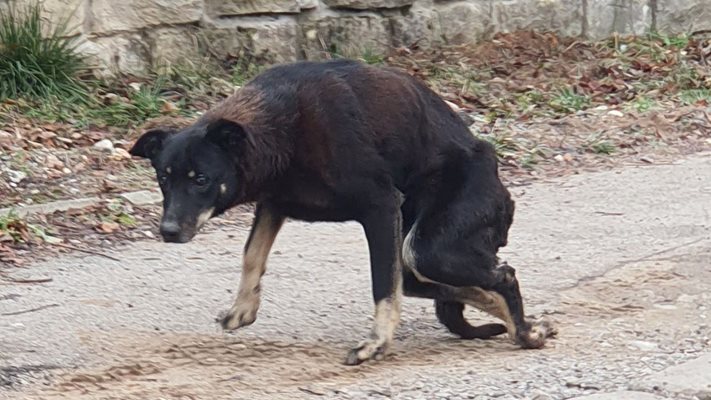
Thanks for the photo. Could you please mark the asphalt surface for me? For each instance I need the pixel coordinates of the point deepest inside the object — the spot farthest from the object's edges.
(618, 260)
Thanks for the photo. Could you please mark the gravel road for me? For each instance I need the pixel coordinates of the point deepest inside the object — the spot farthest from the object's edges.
(618, 260)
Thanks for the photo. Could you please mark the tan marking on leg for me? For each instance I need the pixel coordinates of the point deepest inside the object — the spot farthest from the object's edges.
(244, 309)
(491, 303)
(223, 188)
(191, 174)
(168, 170)
(387, 315)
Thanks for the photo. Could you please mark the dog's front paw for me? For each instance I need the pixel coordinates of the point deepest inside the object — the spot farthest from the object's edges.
(372, 349)
(535, 337)
(239, 316)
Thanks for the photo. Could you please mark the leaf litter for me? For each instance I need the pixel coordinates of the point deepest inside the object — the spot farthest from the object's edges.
(551, 106)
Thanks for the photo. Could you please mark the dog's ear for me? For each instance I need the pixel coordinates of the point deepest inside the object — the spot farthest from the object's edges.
(150, 143)
(229, 135)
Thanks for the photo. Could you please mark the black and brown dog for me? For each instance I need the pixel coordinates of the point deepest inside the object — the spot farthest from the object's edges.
(338, 141)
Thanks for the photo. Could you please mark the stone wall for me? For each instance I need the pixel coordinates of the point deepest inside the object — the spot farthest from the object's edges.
(134, 36)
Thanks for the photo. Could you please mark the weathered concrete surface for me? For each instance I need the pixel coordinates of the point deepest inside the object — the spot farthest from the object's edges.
(624, 395)
(618, 260)
(692, 378)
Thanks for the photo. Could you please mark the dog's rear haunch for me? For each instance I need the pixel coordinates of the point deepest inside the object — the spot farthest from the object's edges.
(338, 141)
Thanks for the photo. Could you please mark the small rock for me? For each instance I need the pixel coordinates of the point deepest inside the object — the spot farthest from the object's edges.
(559, 158)
(5, 137)
(107, 227)
(568, 157)
(149, 234)
(121, 154)
(52, 161)
(66, 171)
(135, 86)
(615, 113)
(644, 346)
(104, 145)
(16, 176)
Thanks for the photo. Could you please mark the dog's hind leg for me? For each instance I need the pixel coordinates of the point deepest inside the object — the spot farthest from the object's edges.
(503, 300)
(449, 307)
(267, 224)
(451, 315)
(382, 228)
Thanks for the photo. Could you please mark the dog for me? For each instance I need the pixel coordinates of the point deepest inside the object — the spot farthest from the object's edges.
(345, 141)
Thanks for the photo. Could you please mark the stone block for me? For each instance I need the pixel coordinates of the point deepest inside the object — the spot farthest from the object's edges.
(460, 23)
(71, 12)
(606, 17)
(308, 4)
(417, 26)
(562, 16)
(683, 16)
(273, 41)
(218, 8)
(367, 4)
(125, 53)
(126, 15)
(173, 45)
(349, 36)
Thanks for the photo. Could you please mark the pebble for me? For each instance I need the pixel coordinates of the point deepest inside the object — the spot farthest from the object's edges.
(644, 346)
(15, 176)
(615, 113)
(52, 161)
(104, 145)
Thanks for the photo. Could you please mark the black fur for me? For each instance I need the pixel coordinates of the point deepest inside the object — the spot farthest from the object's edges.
(338, 141)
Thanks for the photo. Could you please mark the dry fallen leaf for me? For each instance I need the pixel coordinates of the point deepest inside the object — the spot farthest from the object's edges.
(107, 227)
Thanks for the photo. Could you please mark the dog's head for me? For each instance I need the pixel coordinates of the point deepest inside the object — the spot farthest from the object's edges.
(197, 172)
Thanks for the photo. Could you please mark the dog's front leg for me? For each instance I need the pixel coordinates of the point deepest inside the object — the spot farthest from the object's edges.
(384, 234)
(266, 225)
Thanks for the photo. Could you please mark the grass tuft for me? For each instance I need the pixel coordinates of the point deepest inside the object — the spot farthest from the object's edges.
(38, 60)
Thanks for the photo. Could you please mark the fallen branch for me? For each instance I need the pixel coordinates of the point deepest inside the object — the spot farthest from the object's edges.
(31, 310)
(70, 247)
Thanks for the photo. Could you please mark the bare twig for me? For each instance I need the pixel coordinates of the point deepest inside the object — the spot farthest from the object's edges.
(70, 247)
(31, 309)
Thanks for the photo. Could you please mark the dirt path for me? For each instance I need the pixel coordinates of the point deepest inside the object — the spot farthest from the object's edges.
(618, 259)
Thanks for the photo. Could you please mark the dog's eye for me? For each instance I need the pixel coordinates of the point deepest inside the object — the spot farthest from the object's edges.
(201, 180)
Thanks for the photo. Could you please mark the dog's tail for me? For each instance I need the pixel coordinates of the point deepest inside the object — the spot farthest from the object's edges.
(451, 315)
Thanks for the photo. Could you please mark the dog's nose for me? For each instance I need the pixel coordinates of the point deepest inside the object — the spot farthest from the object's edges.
(170, 231)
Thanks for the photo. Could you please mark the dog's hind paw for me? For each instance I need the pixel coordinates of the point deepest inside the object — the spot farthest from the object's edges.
(367, 350)
(535, 338)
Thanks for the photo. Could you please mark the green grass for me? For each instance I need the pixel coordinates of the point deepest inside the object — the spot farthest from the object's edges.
(244, 72)
(599, 145)
(642, 103)
(694, 96)
(37, 60)
(18, 230)
(566, 100)
(371, 57)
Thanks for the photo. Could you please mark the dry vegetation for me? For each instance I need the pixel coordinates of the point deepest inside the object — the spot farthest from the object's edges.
(549, 105)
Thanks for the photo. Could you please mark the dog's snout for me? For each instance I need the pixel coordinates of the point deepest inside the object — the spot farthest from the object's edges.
(170, 230)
